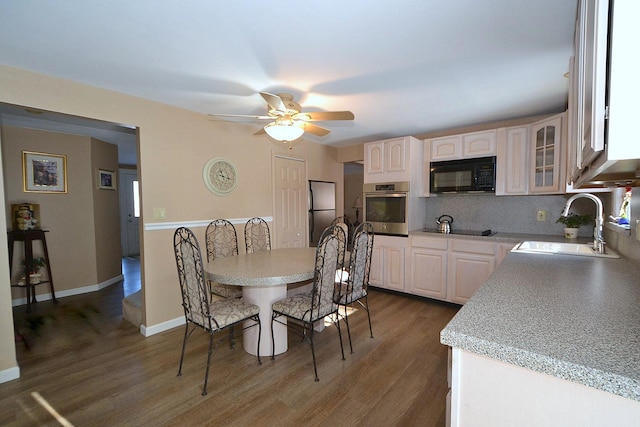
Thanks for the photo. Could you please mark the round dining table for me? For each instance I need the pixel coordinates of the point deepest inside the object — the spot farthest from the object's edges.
(264, 277)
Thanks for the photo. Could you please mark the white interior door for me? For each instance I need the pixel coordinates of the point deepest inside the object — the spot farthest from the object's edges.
(290, 198)
(129, 212)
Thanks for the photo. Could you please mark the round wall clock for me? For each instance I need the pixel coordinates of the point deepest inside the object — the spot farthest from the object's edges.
(220, 176)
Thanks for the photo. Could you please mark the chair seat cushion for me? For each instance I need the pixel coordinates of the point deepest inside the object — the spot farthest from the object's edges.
(346, 298)
(299, 307)
(229, 311)
(225, 291)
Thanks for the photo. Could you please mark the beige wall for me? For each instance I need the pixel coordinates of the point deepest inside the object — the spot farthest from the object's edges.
(174, 146)
(80, 222)
(352, 153)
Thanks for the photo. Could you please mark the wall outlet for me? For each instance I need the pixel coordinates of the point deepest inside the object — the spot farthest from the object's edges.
(541, 216)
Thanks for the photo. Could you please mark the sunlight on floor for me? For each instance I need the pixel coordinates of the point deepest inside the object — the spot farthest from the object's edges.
(345, 311)
(59, 418)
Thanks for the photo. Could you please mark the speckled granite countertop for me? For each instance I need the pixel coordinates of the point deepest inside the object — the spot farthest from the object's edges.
(575, 318)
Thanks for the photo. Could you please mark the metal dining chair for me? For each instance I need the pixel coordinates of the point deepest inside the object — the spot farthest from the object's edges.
(349, 228)
(354, 285)
(199, 311)
(256, 235)
(308, 308)
(222, 241)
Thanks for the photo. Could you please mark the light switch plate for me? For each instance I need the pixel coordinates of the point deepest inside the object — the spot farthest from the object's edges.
(159, 213)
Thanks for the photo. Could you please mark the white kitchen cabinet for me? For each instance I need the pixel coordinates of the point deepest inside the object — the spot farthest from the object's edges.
(396, 151)
(450, 269)
(376, 273)
(470, 263)
(464, 146)
(393, 160)
(388, 262)
(589, 80)
(426, 168)
(512, 161)
(428, 267)
(446, 148)
(612, 155)
(479, 144)
(547, 171)
(502, 250)
(374, 158)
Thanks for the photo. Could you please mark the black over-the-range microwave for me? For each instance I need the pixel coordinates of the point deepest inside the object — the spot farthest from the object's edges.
(463, 176)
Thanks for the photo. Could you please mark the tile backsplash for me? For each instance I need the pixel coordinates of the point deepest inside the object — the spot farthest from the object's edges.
(508, 214)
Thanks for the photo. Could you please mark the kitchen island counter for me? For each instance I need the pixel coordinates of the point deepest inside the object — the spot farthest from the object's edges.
(574, 318)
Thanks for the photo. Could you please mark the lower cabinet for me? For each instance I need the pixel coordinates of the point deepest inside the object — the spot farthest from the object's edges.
(451, 269)
(428, 263)
(470, 265)
(447, 269)
(388, 262)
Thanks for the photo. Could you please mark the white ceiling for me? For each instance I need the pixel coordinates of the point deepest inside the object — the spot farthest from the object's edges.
(406, 67)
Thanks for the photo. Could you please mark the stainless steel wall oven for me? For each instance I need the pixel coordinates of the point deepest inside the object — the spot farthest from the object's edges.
(386, 207)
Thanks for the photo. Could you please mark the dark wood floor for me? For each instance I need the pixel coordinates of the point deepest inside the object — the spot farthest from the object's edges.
(95, 369)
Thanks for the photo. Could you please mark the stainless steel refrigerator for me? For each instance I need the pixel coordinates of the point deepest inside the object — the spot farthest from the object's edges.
(322, 208)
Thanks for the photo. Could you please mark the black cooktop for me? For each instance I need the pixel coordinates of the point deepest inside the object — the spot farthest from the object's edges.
(463, 232)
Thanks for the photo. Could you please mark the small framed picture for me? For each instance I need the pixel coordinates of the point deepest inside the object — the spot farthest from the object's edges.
(44, 173)
(106, 180)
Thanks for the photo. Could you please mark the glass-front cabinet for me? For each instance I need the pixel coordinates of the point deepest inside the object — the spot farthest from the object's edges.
(546, 172)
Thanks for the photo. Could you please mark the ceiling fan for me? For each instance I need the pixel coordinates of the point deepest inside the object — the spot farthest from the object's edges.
(289, 122)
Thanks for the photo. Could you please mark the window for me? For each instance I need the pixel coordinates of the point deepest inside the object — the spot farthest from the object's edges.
(136, 200)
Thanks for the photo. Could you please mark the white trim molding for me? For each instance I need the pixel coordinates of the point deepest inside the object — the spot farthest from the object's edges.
(151, 226)
(71, 292)
(161, 327)
(9, 374)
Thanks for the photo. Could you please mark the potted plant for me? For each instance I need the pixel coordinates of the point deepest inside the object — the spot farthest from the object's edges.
(572, 224)
(32, 270)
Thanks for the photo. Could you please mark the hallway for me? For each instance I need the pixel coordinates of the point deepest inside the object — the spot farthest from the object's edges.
(131, 273)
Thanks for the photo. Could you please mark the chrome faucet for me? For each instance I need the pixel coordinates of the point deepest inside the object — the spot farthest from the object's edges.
(598, 241)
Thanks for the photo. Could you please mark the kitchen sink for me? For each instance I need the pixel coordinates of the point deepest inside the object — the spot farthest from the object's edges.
(562, 248)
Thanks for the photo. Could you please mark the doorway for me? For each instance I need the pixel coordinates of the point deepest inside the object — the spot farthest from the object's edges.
(125, 137)
(353, 198)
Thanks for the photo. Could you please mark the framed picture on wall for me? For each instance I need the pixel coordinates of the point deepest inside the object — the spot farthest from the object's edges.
(44, 173)
(106, 180)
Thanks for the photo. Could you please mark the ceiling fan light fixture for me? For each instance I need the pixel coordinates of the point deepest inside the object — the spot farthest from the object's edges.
(283, 130)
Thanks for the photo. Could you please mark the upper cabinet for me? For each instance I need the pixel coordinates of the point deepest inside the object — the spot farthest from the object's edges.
(464, 146)
(512, 162)
(603, 93)
(394, 160)
(547, 172)
(588, 84)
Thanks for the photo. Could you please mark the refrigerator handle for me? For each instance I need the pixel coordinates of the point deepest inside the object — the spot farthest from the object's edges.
(310, 198)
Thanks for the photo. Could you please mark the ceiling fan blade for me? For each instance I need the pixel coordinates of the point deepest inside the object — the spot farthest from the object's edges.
(239, 116)
(261, 132)
(274, 101)
(311, 128)
(325, 115)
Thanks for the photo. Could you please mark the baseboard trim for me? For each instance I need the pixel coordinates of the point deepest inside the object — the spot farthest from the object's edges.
(71, 292)
(147, 331)
(9, 374)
